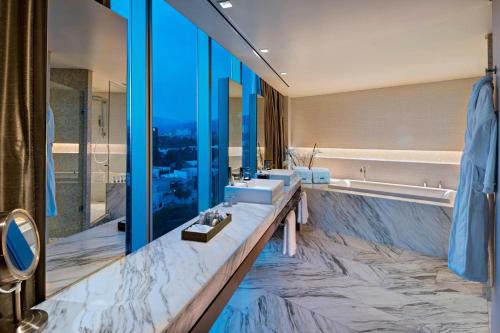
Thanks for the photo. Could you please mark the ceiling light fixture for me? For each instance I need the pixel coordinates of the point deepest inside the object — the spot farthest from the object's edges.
(264, 50)
(283, 73)
(225, 4)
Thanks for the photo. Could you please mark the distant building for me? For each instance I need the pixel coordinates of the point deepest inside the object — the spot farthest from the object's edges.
(156, 148)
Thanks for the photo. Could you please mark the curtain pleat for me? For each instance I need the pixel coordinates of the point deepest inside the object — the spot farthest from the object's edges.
(274, 132)
(22, 117)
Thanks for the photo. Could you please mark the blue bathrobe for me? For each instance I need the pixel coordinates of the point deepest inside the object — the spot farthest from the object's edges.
(468, 248)
(50, 188)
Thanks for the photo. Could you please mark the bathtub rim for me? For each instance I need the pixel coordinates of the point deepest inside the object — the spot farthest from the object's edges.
(356, 191)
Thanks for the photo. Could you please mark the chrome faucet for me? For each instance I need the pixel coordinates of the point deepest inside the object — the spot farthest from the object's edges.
(363, 171)
(425, 183)
(440, 184)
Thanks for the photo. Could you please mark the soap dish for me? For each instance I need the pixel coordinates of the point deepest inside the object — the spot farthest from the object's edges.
(205, 237)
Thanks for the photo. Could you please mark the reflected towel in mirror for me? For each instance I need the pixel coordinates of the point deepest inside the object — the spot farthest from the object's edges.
(289, 235)
(303, 212)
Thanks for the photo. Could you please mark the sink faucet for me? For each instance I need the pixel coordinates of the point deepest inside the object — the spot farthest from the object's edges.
(363, 171)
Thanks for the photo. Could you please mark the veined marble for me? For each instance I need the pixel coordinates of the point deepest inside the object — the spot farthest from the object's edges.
(72, 258)
(339, 284)
(407, 225)
(166, 285)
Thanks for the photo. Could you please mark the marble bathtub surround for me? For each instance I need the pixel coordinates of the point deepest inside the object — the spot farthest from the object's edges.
(166, 285)
(343, 284)
(408, 225)
(116, 200)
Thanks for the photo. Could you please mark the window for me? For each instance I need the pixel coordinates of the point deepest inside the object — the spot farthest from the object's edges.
(174, 116)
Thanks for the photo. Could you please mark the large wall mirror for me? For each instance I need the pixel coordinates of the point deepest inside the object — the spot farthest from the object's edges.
(87, 140)
(235, 155)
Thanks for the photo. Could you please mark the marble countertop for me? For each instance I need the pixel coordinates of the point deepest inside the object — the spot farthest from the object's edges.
(166, 285)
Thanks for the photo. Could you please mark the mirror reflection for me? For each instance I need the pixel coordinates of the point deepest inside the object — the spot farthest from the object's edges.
(261, 144)
(22, 244)
(86, 140)
(235, 129)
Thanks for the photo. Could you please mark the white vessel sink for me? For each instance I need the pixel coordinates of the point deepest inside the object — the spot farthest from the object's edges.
(263, 191)
(287, 176)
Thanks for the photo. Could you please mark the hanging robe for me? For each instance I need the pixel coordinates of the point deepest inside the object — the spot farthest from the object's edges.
(50, 188)
(468, 246)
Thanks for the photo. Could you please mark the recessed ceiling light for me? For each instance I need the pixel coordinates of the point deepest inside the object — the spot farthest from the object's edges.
(264, 50)
(283, 73)
(225, 4)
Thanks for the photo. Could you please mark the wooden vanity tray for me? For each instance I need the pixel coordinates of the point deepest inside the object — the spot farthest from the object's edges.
(205, 237)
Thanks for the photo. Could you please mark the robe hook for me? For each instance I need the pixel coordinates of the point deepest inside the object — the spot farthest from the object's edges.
(491, 70)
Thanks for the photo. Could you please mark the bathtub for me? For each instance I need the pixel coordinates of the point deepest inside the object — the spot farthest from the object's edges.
(408, 192)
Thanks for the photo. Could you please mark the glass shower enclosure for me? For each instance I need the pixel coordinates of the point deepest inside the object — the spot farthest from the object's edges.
(108, 153)
(89, 153)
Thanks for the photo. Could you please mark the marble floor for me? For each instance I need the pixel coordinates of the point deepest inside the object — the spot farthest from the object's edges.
(72, 258)
(345, 284)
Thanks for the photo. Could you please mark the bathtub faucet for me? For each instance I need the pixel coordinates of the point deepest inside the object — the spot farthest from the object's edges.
(363, 171)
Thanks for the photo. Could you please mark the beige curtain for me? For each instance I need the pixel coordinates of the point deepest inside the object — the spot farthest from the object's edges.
(23, 49)
(274, 115)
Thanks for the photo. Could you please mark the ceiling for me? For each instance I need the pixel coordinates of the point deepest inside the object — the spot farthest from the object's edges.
(87, 35)
(329, 46)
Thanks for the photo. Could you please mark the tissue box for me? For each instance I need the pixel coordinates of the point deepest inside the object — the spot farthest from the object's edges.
(320, 175)
(287, 176)
(305, 175)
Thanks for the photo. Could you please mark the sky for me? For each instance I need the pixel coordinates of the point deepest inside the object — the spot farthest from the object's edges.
(174, 67)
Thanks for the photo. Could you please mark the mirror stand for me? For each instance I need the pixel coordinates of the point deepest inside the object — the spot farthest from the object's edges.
(19, 256)
(33, 320)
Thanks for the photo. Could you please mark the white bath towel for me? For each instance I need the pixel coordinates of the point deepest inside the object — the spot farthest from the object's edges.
(303, 212)
(289, 235)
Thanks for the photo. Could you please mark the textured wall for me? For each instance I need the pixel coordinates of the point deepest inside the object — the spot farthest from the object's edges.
(428, 116)
(70, 101)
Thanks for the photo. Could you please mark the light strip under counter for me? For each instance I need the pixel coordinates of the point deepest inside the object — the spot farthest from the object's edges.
(166, 285)
(386, 155)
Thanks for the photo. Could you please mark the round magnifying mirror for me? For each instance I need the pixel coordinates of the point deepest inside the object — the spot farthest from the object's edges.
(20, 246)
(20, 252)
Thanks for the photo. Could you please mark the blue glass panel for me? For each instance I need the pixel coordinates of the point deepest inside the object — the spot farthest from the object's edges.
(204, 157)
(121, 7)
(249, 116)
(223, 110)
(221, 68)
(235, 69)
(137, 129)
(174, 89)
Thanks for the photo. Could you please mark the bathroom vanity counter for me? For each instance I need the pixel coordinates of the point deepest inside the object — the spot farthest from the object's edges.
(167, 285)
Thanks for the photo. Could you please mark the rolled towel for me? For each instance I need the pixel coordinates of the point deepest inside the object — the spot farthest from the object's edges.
(303, 212)
(289, 235)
